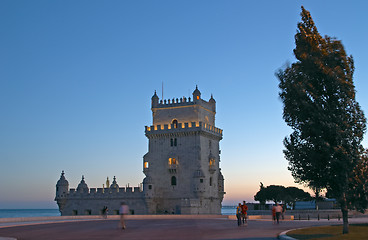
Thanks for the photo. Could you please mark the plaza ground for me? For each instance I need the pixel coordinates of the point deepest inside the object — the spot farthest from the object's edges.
(167, 227)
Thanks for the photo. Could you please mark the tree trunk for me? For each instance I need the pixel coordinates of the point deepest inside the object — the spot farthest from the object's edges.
(344, 210)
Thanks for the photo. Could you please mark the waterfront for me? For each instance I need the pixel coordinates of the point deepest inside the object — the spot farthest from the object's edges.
(13, 213)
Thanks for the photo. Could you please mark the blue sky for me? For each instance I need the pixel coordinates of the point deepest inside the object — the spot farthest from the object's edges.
(76, 78)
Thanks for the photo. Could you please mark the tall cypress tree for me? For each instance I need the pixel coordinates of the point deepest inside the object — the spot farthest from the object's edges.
(328, 124)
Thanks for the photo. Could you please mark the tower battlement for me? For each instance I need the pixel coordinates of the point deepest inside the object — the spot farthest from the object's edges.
(183, 110)
(184, 102)
(182, 128)
(121, 192)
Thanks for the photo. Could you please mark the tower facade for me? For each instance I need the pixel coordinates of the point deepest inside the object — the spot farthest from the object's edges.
(182, 163)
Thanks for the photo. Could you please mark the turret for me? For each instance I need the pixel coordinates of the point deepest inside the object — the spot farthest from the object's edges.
(196, 94)
(114, 184)
(154, 100)
(213, 103)
(107, 182)
(62, 189)
(82, 186)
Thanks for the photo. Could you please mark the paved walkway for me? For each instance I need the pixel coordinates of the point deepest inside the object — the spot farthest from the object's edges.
(214, 228)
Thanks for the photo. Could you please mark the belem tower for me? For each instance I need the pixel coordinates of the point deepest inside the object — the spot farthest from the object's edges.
(181, 166)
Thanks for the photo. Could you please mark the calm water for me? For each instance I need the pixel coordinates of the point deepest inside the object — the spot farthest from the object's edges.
(12, 213)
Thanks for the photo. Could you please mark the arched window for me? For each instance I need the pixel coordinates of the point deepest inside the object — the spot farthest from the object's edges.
(173, 161)
(173, 181)
(175, 123)
(212, 162)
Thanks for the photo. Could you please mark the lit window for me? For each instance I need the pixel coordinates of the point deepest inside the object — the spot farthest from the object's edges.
(212, 162)
(197, 97)
(146, 164)
(173, 161)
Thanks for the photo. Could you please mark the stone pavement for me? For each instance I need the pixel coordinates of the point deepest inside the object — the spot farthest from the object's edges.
(175, 228)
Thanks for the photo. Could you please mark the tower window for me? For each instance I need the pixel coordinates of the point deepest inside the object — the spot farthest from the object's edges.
(201, 180)
(173, 181)
(173, 161)
(210, 181)
(212, 162)
(146, 164)
(175, 123)
(149, 186)
(173, 142)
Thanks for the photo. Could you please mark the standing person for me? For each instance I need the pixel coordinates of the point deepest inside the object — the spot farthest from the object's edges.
(274, 214)
(123, 210)
(244, 212)
(105, 211)
(283, 211)
(278, 210)
(239, 213)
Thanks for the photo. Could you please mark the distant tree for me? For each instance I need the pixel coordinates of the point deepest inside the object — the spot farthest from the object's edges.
(319, 105)
(293, 194)
(261, 197)
(280, 194)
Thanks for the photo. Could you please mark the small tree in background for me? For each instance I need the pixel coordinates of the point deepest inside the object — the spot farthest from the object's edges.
(280, 194)
(319, 105)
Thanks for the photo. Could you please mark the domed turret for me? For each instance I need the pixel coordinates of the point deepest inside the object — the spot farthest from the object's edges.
(212, 100)
(62, 181)
(196, 94)
(154, 100)
(114, 184)
(82, 186)
(62, 187)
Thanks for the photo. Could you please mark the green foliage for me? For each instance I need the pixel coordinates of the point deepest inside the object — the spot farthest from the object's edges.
(278, 194)
(319, 105)
(328, 124)
(358, 185)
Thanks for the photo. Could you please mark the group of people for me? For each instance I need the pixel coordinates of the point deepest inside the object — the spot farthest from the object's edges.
(277, 212)
(241, 213)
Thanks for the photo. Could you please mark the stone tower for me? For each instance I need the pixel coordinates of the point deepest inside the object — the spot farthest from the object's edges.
(62, 190)
(182, 164)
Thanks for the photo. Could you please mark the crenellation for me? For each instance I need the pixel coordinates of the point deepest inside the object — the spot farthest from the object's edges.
(193, 126)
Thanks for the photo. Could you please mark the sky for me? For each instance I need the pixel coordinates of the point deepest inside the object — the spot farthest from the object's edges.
(77, 77)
